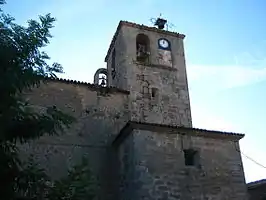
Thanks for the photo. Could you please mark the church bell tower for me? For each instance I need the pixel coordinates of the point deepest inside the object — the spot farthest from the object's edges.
(158, 153)
(150, 63)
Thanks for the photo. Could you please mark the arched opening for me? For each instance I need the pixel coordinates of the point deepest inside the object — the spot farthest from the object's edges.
(102, 80)
(143, 48)
(100, 77)
(146, 90)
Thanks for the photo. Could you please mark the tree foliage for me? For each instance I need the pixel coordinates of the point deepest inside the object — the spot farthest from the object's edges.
(80, 184)
(23, 66)
(34, 184)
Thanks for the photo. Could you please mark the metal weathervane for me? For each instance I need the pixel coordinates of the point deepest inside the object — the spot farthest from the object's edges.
(161, 23)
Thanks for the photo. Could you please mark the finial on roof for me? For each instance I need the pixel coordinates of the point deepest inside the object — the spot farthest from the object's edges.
(159, 22)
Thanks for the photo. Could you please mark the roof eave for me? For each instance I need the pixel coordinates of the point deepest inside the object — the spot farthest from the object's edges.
(134, 25)
(175, 130)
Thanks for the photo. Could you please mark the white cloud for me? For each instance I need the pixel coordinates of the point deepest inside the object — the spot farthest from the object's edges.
(224, 77)
(247, 68)
(206, 120)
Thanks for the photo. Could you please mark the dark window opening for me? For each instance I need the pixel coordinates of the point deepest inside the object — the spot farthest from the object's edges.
(143, 48)
(154, 92)
(191, 157)
(113, 64)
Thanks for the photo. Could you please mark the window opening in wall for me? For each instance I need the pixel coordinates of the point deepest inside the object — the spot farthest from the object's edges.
(143, 48)
(154, 92)
(113, 63)
(191, 157)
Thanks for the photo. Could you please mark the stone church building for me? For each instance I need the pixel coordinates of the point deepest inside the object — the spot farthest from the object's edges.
(135, 127)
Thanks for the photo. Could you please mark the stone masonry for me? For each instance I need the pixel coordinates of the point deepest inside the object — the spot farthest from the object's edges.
(137, 131)
(155, 165)
(101, 114)
(171, 105)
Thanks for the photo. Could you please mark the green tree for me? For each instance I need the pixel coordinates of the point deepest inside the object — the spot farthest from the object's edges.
(23, 66)
(79, 184)
(34, 184)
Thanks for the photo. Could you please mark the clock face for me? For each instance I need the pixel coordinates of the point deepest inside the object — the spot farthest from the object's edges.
(163, 43)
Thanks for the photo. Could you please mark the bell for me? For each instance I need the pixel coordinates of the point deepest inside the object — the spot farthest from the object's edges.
(103, 83)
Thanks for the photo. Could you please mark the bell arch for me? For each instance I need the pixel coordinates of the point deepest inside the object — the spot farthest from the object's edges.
(103, 78)
(142, 47)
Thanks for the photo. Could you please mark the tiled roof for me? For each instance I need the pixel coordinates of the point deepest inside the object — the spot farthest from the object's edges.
(256, 183)
(188, 128)
(178, 129)
(91, 86)
(134, 25)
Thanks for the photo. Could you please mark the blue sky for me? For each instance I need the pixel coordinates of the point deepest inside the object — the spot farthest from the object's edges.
(225, 48)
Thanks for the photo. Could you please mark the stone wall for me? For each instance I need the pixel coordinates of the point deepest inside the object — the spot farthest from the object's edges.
(118, 76)
(168, 105)
(126, 168)
(157, 94)
(160, 172)
(100, 116)
(148, 164)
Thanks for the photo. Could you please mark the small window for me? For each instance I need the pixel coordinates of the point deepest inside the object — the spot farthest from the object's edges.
(191, 157)
(154, 92)
(143, 48)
